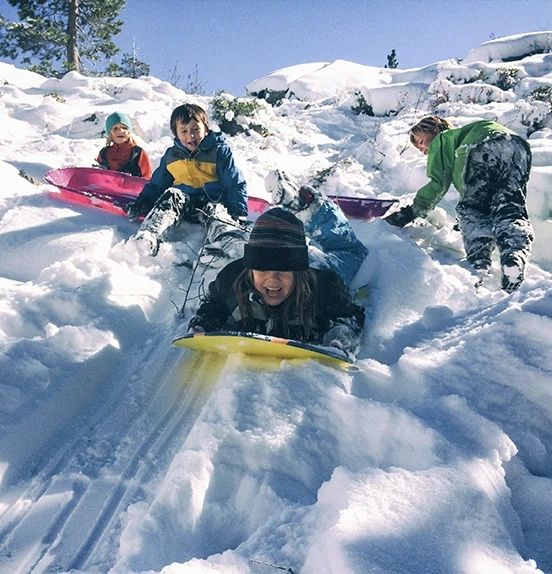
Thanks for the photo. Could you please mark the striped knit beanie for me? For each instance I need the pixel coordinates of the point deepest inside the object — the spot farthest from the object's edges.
(277, 243)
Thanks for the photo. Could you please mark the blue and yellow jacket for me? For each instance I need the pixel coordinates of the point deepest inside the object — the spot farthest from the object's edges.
(206, 174)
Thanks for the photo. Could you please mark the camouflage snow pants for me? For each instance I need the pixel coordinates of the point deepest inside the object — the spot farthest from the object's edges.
(493, 210)
(171, 208)
(175, 206)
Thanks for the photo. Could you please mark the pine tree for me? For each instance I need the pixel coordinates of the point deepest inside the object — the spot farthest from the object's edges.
(392, 61)
(53, 37)
(130, 66)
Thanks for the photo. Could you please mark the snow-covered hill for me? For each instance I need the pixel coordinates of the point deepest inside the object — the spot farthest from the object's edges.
(122, 454)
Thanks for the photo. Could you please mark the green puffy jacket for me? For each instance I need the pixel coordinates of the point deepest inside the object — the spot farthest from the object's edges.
(446, 160)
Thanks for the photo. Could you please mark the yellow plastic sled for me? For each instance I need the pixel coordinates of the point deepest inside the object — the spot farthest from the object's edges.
(227, 343)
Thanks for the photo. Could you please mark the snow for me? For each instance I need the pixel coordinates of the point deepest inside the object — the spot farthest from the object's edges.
(511, 47)
(120, 453)
(323, 80)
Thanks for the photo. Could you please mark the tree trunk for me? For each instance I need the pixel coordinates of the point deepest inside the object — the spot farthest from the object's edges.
(72, 44)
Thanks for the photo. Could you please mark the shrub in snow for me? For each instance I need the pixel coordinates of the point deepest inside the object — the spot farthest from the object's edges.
(56, 97)
(443, 91)
(507, 78)
(362, 106)
(272, 97)
(478, 76)
(481, 76)
(543, 94)
(322, 175)
(387, 100)
(234, 115)
(536, 112)
(533, 114)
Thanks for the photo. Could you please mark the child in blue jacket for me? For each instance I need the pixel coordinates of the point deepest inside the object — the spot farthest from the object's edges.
(196, 171)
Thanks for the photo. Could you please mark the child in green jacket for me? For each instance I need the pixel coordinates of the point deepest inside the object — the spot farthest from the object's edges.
(489, 165)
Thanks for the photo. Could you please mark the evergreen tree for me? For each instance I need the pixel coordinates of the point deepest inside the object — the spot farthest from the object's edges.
(57, 36)
(130, 66)
(392, 61)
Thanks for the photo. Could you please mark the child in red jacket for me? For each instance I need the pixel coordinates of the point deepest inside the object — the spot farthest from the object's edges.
(121, 152)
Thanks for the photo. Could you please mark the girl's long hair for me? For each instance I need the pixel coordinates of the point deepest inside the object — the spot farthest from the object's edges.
(299, 305)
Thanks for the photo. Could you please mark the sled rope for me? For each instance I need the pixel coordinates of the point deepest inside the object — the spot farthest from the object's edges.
(182, 308)
(209, 219)
(437, 245)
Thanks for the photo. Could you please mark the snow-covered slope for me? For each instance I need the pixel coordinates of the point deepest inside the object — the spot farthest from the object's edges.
(121, 454)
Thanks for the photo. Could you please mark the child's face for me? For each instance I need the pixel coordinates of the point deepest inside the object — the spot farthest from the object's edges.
(190, 134)
(422, 141)
(274, 286)
(119, 133)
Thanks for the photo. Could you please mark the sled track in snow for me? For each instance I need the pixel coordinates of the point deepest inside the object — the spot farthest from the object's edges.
(72, 513)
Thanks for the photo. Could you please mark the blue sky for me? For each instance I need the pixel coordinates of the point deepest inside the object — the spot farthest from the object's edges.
(233, 42)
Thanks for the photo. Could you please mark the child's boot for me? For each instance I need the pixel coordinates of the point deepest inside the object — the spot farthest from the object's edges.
(148, 242)
(225, 236)
(513, 272)
(166, 213)
(481, 275)
(285, 191)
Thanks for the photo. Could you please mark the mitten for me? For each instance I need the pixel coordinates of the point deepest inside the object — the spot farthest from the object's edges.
(194, 330)
(242, 221)
(341, 337)
(338, 346)
(402, 217)
(138, 208)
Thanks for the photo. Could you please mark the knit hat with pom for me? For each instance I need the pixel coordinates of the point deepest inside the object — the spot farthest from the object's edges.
(277, 243)
(117, 118)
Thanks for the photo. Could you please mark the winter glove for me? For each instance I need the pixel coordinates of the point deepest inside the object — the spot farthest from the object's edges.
(138, 208)
(341, 337)
(402, 217)
(338, 346)
(242, 221)
(195, 330)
